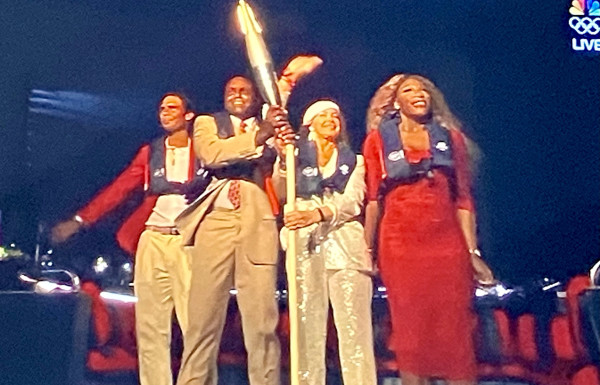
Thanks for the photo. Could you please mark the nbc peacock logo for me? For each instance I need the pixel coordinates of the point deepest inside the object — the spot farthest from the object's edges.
(585, 24)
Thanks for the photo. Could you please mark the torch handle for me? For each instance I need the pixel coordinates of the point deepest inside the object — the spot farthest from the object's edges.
(290, 256)
(290, 176)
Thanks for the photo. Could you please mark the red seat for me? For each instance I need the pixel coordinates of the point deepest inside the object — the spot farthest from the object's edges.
(114, 349)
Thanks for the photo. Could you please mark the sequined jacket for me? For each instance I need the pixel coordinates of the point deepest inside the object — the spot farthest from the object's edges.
(341, 240)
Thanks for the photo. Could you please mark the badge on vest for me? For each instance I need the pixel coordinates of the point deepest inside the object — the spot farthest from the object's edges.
(396, 155)
(441, 146)
(344, 169)
(310, 171)
(159, 172)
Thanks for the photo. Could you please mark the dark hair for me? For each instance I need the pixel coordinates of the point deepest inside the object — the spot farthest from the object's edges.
(257, 96)
(187, 103)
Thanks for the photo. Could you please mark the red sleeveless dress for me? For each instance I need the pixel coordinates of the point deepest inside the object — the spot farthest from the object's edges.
(425, 265)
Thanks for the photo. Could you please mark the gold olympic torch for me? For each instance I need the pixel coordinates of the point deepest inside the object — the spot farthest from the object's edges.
(266, 81)
(258, 55)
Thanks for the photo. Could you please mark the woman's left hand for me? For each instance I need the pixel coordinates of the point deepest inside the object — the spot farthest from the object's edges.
(483, 273)
(298, 219)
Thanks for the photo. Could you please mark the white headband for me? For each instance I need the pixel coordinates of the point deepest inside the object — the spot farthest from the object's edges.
(316, 108)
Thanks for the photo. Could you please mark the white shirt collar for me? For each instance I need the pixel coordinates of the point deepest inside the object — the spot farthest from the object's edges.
(170, 147)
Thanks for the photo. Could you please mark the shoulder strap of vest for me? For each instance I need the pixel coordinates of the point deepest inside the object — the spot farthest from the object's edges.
(390, 138)
(158, 181)
(345, 165)
(437, 133)
(346, 156)
(440, 145)
(307, 152)
(224, 125)
(157, 153)
(157, 143)
(308, 177)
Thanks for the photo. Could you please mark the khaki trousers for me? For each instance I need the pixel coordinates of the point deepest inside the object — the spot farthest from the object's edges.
(219, 264)
(161, 284)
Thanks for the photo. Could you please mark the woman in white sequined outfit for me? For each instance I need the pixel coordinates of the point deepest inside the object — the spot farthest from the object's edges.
(333, 263)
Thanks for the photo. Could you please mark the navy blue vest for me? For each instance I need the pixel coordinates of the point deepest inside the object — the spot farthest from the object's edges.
(159, 185)
(244, 169)
(396, 166)
(309, 180)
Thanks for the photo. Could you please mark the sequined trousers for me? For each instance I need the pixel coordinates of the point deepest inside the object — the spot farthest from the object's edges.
(350, 292)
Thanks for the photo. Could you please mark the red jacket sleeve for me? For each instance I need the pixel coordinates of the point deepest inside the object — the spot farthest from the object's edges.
(372, 153)
(117, 191)
(462, 170)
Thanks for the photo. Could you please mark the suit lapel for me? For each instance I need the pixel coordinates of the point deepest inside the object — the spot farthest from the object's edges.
(188, 221)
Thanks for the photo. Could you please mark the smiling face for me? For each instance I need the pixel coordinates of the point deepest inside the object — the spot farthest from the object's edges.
(240, 97)
(327, 124)
(414, 100)
(172, 114)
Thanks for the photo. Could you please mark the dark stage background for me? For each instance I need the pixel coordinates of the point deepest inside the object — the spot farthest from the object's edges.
(80, 80)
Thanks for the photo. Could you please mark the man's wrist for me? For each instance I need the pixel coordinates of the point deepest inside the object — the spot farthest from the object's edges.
(79, 220)
(262, 135)
(475, 252)
(319, 214)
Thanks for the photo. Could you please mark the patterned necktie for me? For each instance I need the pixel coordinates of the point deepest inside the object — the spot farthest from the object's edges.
(233, 194)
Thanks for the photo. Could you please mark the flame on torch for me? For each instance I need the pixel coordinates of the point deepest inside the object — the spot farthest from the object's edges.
(258, 55)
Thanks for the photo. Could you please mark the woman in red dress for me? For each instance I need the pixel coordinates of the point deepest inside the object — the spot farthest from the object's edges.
(418, 179)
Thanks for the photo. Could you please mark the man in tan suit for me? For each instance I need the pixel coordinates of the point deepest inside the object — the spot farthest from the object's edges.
(234, 236)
